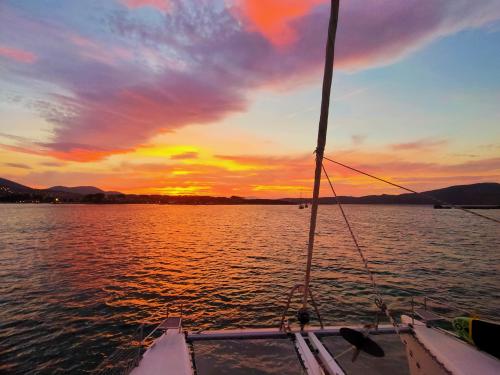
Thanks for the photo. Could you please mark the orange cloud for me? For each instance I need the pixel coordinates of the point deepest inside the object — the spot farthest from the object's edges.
(183, 190)
(17, 55)
(289, 189)
(196, 157)
(73, 153)
(185, 155)
(272, 17)
(284, 176)
(81, 155)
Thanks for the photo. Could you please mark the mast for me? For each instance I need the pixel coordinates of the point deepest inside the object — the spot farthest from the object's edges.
(320, 148)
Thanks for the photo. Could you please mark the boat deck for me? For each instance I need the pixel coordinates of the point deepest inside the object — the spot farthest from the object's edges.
(268, 352)
(314, 351)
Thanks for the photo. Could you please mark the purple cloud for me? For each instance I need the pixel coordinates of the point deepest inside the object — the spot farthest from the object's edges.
(134, 77)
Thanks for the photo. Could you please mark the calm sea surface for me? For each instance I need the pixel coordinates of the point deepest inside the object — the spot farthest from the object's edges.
(77, 280)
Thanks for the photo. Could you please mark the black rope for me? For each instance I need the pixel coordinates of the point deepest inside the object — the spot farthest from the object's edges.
(413, 191)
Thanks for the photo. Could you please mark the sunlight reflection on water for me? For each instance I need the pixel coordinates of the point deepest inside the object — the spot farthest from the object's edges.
(76, 280)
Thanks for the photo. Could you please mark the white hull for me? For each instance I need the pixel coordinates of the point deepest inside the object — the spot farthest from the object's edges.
(434, 351)
(169, 354)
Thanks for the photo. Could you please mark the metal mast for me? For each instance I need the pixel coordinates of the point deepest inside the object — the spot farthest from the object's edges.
(320, 148)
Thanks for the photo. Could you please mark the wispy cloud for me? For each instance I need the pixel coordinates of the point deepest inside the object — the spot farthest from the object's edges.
(302, 112)
(350, 94)
(185, 155)
(13, 137)
(197, 63)
(18, 55)
(419, 145)
(162, 5)
(18, 165)
(358, 139)
(52, 163)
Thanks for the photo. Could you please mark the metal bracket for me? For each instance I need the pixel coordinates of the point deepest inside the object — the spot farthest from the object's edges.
(299, 288)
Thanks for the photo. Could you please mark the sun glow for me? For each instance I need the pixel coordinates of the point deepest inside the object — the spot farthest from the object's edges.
(183, 190)
(181, 173)
(198, 157)
(164, 151)
(282, 188)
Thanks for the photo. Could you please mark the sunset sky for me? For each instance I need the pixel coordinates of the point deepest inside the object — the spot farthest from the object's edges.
(222, 97)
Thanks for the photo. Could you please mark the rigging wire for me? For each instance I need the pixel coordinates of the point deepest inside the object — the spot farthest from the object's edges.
(413, 191)
(353, 236)
(379, 302)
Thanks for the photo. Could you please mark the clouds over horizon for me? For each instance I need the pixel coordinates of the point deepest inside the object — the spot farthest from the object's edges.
(153, 66)
(267, 175)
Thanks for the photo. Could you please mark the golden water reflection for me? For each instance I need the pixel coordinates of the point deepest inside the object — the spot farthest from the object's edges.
(77, 280)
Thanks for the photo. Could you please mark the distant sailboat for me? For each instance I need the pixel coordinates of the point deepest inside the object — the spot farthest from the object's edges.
(301, 205)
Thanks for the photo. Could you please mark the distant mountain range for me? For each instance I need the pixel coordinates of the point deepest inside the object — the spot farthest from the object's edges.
(83, 190)
(14, 187)
(11, 189)
(487, 193)
(475, 194)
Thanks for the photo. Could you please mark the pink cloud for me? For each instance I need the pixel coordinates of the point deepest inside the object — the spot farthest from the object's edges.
(94, 50)
(163, 5)
(17, 54)
(370, 33)
(419, 145)
(120, 119)
(63, 151)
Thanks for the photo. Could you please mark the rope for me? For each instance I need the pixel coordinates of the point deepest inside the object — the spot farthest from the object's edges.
(379, 302)
(354, 239)
(413, 191)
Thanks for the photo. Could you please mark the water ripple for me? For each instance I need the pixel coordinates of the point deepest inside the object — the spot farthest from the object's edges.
(77, 280)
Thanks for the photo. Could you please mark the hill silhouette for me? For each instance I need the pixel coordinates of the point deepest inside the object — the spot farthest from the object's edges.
(83, 190)
(11, 191)
(487, 193)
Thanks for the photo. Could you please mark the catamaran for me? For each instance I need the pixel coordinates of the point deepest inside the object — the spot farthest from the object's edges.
(420, 342)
